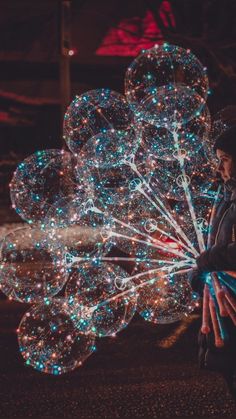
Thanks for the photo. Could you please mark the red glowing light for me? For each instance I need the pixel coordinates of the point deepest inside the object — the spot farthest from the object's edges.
(137, 33)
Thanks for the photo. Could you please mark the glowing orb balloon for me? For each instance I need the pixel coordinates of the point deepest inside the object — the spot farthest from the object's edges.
(103, 118)
(141, 177)
(164, 143)
(5, 283)
(166, 299)
(99, 286)
(129, 232)
(39, 181)
(170, 107)
(162, 68)
(202, 210)
(151, 232)
(176, 178)
(49, 340)
(110, 187)
(76, 225)
(28, 267)
(107, 150)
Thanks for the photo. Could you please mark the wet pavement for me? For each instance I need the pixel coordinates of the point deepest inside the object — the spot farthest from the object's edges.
(147, 371)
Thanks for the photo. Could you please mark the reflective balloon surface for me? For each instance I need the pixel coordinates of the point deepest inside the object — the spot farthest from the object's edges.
(49, 340)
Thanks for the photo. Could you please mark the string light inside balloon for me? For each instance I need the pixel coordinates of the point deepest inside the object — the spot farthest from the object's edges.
(139, 177)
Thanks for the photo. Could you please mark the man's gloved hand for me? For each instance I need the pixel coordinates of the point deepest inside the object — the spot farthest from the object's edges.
(197, 280)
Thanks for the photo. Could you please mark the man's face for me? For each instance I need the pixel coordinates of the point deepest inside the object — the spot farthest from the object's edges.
(225, 165)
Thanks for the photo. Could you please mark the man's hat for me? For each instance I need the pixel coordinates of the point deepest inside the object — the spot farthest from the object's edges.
(227, 141)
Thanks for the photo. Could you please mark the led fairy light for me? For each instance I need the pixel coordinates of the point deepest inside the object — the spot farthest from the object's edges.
(39, 181)
(50, 342)
(100, 120)
(154, 77)
(137, 176)
(29, 269)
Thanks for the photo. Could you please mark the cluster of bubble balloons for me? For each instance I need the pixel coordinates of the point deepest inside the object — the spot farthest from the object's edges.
(138, 177)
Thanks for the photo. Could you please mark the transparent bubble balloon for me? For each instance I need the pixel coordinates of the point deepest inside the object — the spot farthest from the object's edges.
(40, 180)
(29, 270)
(104, 288)
(170, 107)
(64, 212)
(107, 186)
(187, 139)
(107, 150)
(150, 233)
(75, 228)
(5, 283)
(166, 299)
(110, 186)
(202, 207)
(104, 117)
(167, 66)
(130, 233)
(176, 178)
(50, 342)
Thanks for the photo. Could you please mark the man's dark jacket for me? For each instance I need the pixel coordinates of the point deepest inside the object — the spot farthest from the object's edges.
(221, 255)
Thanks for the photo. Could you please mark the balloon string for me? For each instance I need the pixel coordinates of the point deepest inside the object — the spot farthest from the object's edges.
(168, 249)
(161, 207)
(190, 248)
(135, 230)
(188, 195)
(179, 265)
(178, 242)
(134, 288)
(71, 260)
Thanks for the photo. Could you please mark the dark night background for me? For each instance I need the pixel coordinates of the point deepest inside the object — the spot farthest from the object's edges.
(147, 371)
(105, 36)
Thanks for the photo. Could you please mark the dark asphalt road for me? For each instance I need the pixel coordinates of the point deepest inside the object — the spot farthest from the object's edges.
(130, 376)
(140, 373)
